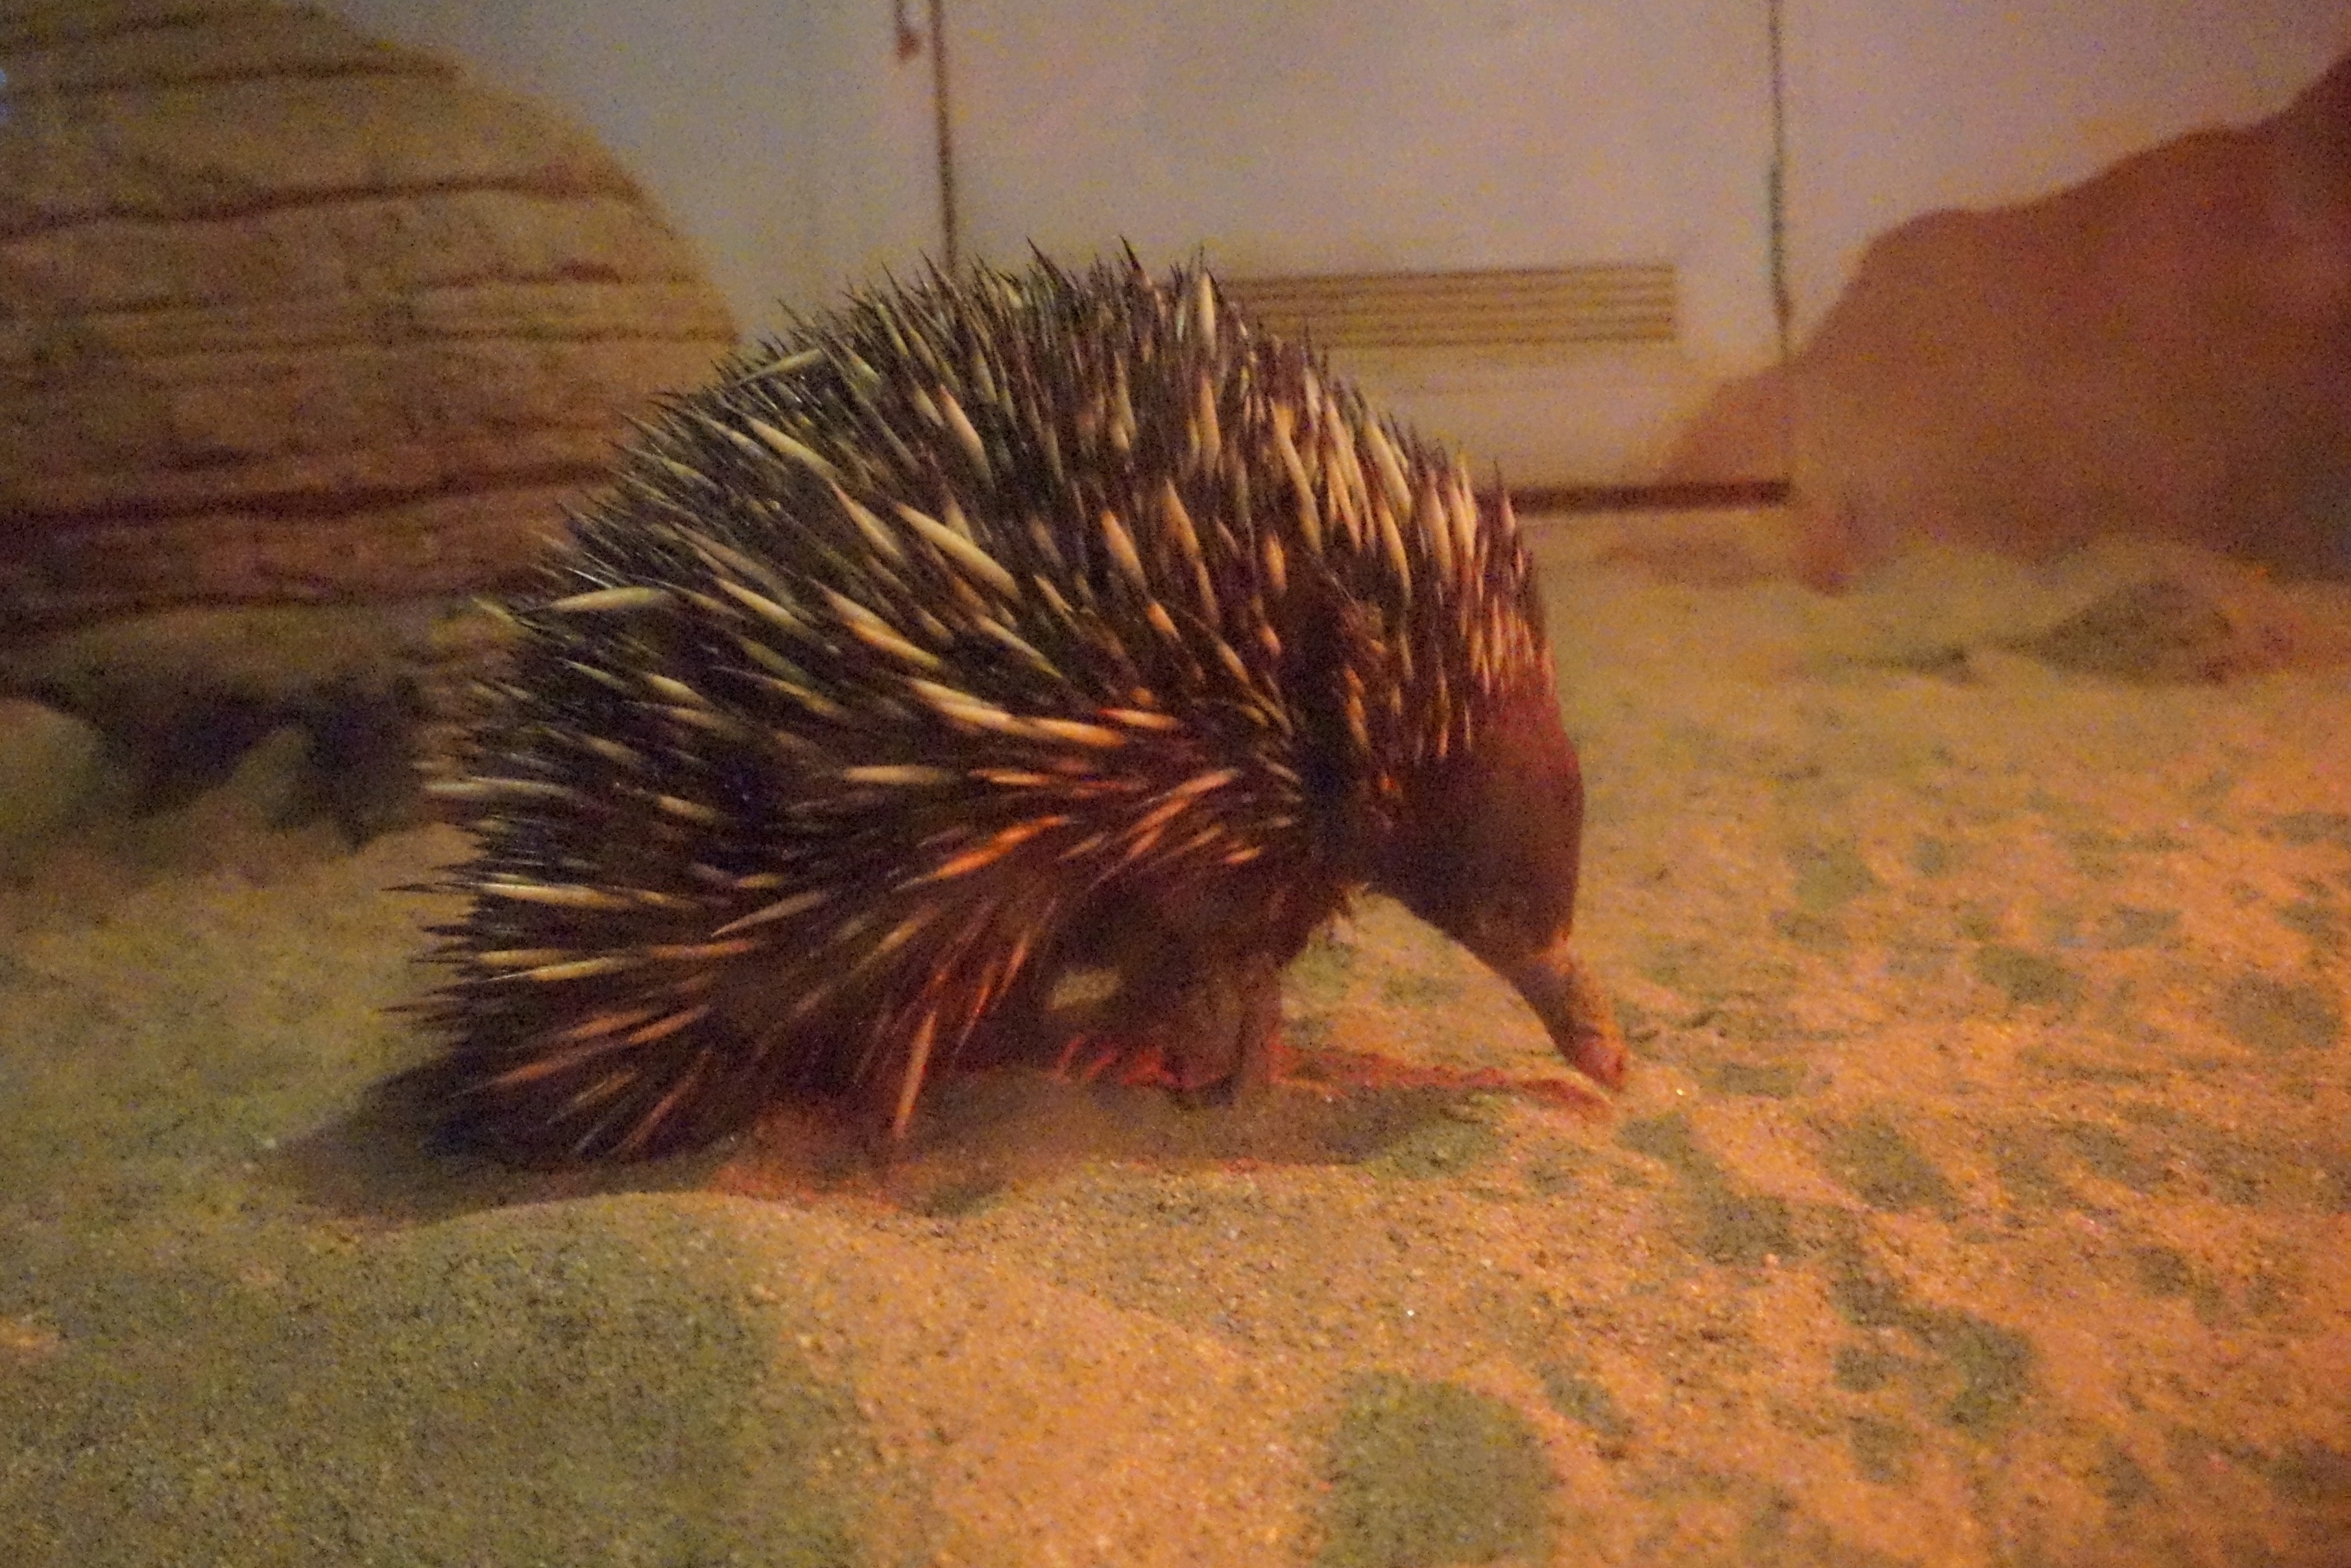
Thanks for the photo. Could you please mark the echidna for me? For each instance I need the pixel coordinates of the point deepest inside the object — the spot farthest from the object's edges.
(986, 634)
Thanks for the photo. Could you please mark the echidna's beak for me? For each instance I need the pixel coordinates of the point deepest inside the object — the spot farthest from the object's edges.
(1583, 1024)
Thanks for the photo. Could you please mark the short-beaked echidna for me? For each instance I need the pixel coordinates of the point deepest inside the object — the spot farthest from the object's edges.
(979, 635)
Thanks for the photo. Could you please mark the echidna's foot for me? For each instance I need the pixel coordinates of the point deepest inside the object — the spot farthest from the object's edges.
(1089, 1059)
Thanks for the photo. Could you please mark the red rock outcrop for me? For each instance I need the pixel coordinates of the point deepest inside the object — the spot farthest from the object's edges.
(2162, 352)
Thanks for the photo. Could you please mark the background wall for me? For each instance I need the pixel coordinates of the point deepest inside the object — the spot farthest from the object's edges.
(794, 144)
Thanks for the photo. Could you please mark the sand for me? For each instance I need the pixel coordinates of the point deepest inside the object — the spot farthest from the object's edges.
(1980, 1195)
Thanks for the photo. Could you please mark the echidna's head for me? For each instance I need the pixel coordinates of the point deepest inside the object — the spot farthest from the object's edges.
(1486, 850)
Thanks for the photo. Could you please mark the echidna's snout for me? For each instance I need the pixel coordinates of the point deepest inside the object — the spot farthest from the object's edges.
(1489, 855)
(1581, 1022)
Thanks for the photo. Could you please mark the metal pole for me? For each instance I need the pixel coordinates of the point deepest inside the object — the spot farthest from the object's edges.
(1783, 307)
(950, 241)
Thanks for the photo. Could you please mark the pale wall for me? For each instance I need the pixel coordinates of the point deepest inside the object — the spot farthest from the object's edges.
(795, 147)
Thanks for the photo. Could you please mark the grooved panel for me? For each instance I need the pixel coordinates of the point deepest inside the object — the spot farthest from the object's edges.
(1557, 307)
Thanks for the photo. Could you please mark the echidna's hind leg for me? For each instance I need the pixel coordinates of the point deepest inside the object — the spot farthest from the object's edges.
(1202, 1024)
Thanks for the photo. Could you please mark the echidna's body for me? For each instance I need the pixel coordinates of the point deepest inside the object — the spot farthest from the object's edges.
(980, 633)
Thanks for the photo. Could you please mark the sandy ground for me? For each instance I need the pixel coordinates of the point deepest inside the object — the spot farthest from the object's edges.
(1980, 1196)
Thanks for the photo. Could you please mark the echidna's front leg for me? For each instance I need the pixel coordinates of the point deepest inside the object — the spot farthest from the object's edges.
(1225, 1018)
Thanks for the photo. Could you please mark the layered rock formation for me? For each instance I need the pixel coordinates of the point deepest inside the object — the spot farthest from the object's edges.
(289, 314)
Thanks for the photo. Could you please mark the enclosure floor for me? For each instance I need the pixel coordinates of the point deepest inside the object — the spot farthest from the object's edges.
(1981, 1194)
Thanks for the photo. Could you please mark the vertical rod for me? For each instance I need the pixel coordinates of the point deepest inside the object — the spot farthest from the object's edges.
(950, 240)
(1783, 306)
(1776, 190)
